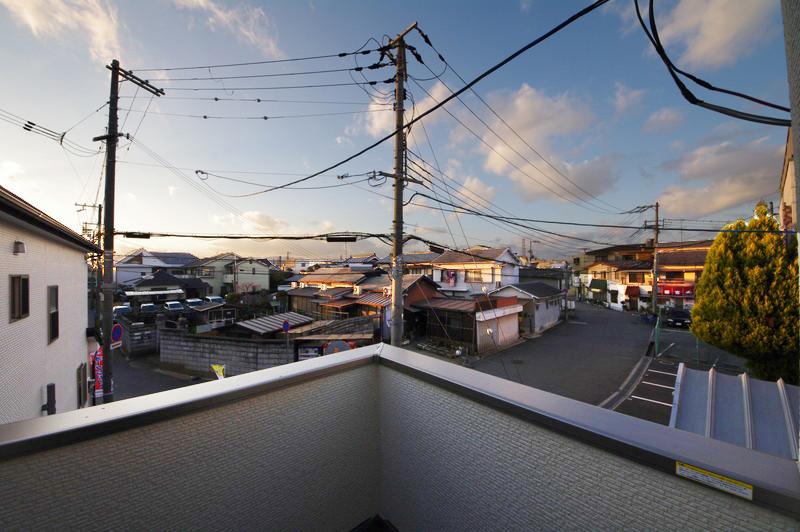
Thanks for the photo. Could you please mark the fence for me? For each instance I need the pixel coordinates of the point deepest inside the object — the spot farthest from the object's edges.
(138, 338)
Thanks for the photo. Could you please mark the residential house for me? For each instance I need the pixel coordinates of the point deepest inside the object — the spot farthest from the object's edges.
(414, 262)
(156, 288)
(620, 284)
(788, 190)
(363, 260)
(228, 272)
(680, 265)
(140, 263)
(479, 325)
(541, 304)
(321, 286)
(475, 270)
(556, 277)
(211, 316)
(44, 348)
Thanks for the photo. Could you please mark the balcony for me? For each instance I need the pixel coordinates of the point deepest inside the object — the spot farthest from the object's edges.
(329, 443)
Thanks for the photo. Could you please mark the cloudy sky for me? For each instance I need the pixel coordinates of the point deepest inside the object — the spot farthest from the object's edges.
(601, 127)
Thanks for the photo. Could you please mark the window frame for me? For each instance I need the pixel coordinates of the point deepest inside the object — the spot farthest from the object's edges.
(52, 313)
(16, 311)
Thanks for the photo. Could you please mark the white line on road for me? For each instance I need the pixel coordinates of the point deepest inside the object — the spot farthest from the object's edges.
(663, 372)
(651, 400)
(659, 385)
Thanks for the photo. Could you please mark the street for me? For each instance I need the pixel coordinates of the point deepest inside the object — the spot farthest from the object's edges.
(585, 359)
(136, 377)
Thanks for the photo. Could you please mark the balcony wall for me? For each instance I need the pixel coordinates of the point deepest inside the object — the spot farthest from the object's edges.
(326, 443)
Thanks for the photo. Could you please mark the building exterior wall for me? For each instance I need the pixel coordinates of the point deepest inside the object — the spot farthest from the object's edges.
(195, 353)
(546, 313)
(505, 331)
(303, 457)
(471, 467)
(27, 361)
(252, 275)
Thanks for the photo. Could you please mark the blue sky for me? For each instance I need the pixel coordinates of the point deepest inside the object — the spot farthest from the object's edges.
(593, 100)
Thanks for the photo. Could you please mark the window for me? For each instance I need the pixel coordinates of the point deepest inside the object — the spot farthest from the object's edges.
(254, 271)
(614, 296)
(576, 261)
(635, 278)
(19, 297)
(52, 313)
(473, 276)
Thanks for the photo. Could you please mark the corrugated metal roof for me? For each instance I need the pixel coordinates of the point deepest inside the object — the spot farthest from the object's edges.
(374, 300)
(338, 303)
(748, 412)
(333, 275)
(274, 323)
(332, 293)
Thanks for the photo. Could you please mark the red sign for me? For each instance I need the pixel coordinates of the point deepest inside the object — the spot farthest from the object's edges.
(98, 372)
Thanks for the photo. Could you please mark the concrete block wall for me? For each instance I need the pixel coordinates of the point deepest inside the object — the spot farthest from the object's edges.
(449, 463)
(195, 353)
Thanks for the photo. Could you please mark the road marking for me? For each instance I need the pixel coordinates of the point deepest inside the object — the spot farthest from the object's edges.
(663, 372)
(659, 385)
(651, 400)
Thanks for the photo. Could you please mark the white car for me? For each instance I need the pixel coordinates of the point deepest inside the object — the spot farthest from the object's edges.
(214, 299)
(173, 306)
(191, 303)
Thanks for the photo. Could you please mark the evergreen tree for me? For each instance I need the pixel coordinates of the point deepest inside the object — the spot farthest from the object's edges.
(747, 298)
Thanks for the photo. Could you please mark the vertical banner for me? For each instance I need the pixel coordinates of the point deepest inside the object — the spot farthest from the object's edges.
(98, 372)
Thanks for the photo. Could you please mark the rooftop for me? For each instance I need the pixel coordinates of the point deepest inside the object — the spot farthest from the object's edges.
(471, 255)
(332, 442)
(173, 258)
(333, 275)
(19, 209)
(417, 257)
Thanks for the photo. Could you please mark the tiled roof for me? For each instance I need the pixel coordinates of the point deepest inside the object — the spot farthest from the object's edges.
(446, 303)
(374, 299)
(625, 265)
(423, 257)
(274, 323)
(173, 259)
(22, 210)
(160, 278)
(306, 291)
(539, 289)
(475, 254)
(689, 257)
(332, 293)
(333, 275)
(192, 282)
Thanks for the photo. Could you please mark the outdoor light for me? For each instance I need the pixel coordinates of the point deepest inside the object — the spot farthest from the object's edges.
(489, 331)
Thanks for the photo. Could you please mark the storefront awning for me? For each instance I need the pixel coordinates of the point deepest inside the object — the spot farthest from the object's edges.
(632, 291)
(598, 285)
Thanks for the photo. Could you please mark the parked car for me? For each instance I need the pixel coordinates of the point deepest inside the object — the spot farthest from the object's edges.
(678, 318)
(120, 310)
(191, 303)
(148, 308)
(215, 299)
(173, 306)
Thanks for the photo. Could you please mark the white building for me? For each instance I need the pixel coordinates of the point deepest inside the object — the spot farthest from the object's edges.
(475, 270)
(141, 263)
(541, 304)
(43, 312)
(228, 272)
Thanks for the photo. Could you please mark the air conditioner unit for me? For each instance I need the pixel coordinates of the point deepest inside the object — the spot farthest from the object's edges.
(387, 291)
(294, 284)
(356, 290)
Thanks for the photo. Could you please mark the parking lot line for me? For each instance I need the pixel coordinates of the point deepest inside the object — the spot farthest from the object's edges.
(659, 385)
(663, 372)
(651, 400)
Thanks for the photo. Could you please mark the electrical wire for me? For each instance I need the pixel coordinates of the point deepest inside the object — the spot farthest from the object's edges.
(373, 66)
(251, 63)
(261, 100)
(254, 117)
(652, 35)
(282, 87)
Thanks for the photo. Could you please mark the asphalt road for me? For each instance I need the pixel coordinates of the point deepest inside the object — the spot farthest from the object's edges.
(586, 359)
(652, 397)
(136, 377)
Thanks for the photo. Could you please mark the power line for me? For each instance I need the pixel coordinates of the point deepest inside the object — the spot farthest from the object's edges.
(266, 62)
(263, 100)
(373, 66)
(499, 117)
(284, 87)
(372, 178)
(255, 117)
(480, 77)
(652, 35)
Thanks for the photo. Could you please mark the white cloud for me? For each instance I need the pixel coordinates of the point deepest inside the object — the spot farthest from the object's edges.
(171, 190)
(380, 120)
(250, 222)
(250, 25)
(719, 176)
(714, 33)
(92, 20)
(626, 98)
(474, 187)
(525, 5)
(663, 120)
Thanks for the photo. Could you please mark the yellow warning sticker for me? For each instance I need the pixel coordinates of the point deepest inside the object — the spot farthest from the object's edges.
(720, 482)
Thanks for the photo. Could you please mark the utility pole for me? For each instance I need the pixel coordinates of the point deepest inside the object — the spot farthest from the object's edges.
(655, 281)
(399, 180)
(98, 261)
(110, 138)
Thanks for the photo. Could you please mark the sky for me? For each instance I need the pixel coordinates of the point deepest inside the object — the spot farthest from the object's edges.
(609, 128)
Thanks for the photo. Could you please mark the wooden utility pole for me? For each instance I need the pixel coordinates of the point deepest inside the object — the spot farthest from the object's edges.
(110, 138)
(399, 180)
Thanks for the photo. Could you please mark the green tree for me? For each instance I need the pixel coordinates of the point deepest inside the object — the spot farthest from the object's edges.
(747, 297)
